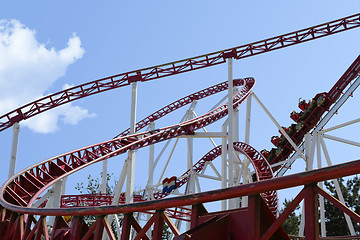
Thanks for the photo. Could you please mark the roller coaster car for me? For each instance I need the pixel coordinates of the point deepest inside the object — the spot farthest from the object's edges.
(275, 140)
(311, 106)
(294, 116)
(279, 151)
(299, 126)
(303, 105)
(292, 129)
(320, 98)
(271, 155)
(265, 153)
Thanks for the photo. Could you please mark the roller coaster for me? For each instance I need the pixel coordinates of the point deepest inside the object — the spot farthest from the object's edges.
(249, 210)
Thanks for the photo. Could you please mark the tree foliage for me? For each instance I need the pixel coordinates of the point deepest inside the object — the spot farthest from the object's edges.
(93, 185)
(291, 224)
(335, 221)
(334, 218)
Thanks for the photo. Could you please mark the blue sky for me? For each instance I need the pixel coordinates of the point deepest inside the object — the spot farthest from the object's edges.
(104, 38)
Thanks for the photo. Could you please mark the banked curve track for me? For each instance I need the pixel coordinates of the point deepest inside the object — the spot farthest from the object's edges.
(19, 192)
(261, 166)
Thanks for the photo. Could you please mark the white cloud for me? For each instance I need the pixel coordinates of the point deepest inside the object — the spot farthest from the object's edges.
(28, 69)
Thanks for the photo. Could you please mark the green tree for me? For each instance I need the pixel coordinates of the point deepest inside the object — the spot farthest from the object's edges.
(292, 223)
(93, 185)
(335, 221)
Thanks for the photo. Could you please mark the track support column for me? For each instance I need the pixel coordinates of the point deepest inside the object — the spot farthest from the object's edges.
(224, 165)
(150, 182)
(103, 177)
(337, 186)
(131, 156)
(245, 169)
(14, 146)
(320, 184)
(190, 156)
(231, 130)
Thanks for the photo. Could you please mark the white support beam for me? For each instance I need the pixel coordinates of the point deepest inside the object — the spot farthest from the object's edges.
(55, 198)
(119, 185)
(104, 177)
(14, 147)
(320, 184)
(247, 120)
(205, 135)
(230, 120)
(236, 125)
(231, 160)
(39, 201)
(151, 166)
(190, 157)
(130, 180)
(214, 169)
(117, 193)
(197, 183)
(340, 126)
(245, 169)
(219, 102)
(167, 162)
(206, 131)
(301, 154)
(337, 186)
(310, 162)
(236, 135)
(210, 177)
(356, 144)
(224, 166)
(192, 106)
(290, 160)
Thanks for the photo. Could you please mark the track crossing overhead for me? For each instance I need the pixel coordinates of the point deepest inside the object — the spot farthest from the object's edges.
(190, 64)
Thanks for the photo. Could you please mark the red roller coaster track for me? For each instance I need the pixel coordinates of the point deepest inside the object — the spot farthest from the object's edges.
(19, 192)
(186, 65)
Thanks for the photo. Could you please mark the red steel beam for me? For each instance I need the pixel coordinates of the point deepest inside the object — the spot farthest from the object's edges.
(311, 212)
(177, 67)
(305, 178)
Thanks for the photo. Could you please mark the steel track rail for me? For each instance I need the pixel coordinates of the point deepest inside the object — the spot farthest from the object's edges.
(26, 186)
(190, 64)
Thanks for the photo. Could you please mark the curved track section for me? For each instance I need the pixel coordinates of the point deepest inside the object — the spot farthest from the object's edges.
(22, 189)
(180, 103)
(178, 67)
(261, 166)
